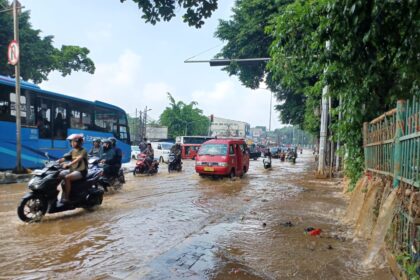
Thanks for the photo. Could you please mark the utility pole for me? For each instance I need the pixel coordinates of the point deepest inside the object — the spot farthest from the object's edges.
(17, 79)
(337, 159)
(144, 122)
(324, 124)
(271, 106)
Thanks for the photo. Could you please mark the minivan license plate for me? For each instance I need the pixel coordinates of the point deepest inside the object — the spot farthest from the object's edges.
(209, 169)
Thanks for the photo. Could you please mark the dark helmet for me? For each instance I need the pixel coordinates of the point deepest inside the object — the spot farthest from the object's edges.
(76, 137)
(107, 141)
(113, 140)
(97, 140)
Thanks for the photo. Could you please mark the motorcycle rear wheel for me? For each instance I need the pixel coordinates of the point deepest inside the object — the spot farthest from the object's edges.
(32, 208)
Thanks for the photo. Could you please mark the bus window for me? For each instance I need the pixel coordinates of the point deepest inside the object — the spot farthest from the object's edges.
(60, 121)
(43, 118)
(80, 118)
(106, 120)
(5, 106)
(123, 136)
(27, 108)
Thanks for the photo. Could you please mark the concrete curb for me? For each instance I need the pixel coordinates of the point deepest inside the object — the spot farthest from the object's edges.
(10, 178)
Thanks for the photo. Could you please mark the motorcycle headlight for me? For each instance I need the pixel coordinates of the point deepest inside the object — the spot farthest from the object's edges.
(31, 181)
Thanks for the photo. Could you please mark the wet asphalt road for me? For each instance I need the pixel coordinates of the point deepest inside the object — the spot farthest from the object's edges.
(180, 226)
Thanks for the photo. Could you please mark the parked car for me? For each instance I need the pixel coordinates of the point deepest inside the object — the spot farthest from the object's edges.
(222, 157)
(162, 150)
(135, 151)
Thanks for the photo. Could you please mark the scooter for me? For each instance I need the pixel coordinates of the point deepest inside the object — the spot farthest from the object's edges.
(115, 182)
(173, 164)
(267, 163)
(141, 167)
(43, 195)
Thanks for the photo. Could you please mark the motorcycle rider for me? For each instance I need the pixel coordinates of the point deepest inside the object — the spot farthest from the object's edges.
(117, 151)
(110, 159)
(150, 155)
(143, 145)
(176, 150)
(96, 150)
(78, 166)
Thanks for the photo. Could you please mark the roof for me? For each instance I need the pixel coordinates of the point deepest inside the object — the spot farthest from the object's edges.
(224, 140)
(8, 81)
(228, 120)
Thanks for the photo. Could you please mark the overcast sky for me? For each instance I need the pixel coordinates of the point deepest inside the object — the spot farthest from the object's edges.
(138, 63)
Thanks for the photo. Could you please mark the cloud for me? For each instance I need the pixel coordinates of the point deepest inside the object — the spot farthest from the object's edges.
(120, 82)
(229, 99)
(116, 82)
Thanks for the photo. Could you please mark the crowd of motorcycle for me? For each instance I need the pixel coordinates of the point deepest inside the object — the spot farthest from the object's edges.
(101, 170)
(289, 155)
(83, 176)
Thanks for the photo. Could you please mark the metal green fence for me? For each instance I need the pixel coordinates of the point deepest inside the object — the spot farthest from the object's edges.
(392, 143)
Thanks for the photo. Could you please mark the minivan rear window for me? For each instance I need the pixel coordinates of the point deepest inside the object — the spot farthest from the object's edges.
(213, 150)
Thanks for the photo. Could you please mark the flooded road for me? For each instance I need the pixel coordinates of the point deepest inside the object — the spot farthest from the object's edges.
(180, 226)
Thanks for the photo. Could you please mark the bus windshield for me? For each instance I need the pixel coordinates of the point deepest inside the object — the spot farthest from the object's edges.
(213, 150)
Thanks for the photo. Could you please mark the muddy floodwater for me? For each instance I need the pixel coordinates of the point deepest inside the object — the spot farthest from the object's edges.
(181, 226)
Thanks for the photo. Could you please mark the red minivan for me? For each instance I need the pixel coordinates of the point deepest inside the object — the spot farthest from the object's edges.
(222, 157)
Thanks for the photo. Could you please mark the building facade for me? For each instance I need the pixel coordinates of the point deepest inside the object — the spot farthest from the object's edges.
(229, 128)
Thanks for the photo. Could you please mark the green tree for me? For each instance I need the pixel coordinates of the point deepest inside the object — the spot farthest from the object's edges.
(181, 118)
(372, 62)
(38, 56)
(195, 10)
(246, 37)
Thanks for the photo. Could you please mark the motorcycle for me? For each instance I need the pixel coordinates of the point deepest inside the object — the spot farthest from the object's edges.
(115, 182)
(141, 167)
(267, 163)
(42, 197)
(173, 163)
(291, 157)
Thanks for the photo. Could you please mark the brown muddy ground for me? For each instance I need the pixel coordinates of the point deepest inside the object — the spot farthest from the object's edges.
(180, 226)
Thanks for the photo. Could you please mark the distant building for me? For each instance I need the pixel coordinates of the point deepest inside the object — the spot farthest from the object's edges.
(154, 133)
(257, 132)
(229, 128)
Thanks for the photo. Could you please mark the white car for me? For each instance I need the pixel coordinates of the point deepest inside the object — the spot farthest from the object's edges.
(162, 150)
(135, 151)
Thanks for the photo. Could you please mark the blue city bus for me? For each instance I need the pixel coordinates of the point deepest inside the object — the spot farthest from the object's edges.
(48, 118)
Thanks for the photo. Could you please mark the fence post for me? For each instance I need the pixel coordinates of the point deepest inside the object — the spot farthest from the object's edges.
(399, 132)
(365, 142)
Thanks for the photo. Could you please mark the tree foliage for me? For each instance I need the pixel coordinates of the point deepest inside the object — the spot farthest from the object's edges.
(181, 119)
(195, 10)
(246, 37)
(38, 56)
(372, 62)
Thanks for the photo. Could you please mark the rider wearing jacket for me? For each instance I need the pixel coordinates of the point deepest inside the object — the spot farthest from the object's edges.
(150, 155)
(118, 152)
(110, 159)
(176, 150)
(96, 150)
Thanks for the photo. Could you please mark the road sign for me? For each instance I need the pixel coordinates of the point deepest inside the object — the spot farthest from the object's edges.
(13, 53)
